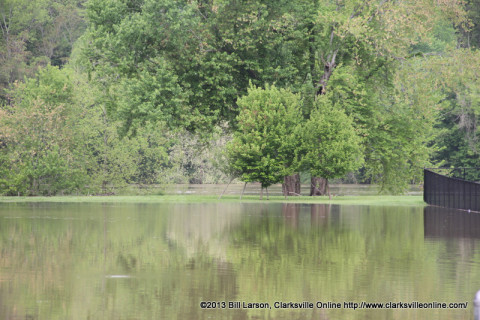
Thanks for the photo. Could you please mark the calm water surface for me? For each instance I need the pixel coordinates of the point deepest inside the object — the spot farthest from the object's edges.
(159, 261)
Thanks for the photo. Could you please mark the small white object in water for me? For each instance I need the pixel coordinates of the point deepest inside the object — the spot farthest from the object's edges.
(117, 276)
(476, 301)
(476, 306)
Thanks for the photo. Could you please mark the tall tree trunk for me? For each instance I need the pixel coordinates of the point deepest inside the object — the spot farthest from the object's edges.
(105, 144)
(245, 186)
(291, 185)
(318, 186)
(328, 67)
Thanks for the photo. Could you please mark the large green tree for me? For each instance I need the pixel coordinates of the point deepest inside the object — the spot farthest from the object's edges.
(330, 147)
(263, 149)
(370, 39)
(38, 137)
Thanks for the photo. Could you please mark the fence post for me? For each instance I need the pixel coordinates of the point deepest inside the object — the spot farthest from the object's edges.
(425, 188)
(446, 187)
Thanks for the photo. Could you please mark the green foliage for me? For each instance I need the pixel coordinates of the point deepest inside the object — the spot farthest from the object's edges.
(201, 56)
(469, 33)
(401, 143)
(150, 80)
(352, 52)
(57, 138)
(196, 159)
(456, 78)
(273, 142)
(154, 47)
(112, 161)
(35, 33)
(151, 96)
(39, 136)
(263, 148)
(330, 147)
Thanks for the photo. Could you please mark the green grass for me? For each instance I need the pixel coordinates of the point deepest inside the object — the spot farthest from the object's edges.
(347, 200)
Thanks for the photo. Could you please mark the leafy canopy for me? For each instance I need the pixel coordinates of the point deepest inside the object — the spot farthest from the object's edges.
(330, 147)
(264, 145)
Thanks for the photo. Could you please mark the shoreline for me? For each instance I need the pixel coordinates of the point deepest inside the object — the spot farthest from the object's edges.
(385, 200)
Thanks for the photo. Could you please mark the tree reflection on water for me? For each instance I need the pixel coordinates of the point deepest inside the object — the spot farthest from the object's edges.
(152, 261)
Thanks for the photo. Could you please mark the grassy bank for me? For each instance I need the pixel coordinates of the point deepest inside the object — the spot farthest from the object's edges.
(347, 200)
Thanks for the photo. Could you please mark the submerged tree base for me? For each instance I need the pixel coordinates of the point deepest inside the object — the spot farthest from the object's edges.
(319, 186)
(291, 185)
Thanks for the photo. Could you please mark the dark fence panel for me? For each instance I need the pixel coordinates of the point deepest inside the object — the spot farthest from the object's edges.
(451, 191)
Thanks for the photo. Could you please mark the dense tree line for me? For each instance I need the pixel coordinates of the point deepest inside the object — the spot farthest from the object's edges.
(98, 94)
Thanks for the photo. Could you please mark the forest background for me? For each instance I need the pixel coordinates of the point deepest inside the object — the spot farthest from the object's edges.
(100, 94)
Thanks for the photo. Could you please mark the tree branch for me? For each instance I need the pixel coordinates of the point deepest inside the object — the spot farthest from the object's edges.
(357, 10)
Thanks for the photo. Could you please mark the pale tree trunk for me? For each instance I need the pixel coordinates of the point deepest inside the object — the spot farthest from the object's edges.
(245, 186)
(220, 197)
(291, 185)
(328, 66)
(105, 157)
(318, 186)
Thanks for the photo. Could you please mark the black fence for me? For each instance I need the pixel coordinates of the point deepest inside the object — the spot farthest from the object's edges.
(452, 188)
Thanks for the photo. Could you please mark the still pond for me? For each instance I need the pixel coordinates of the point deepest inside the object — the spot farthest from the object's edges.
(160, 261)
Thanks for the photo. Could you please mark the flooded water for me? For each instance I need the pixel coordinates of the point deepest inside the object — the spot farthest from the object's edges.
(245, 261)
